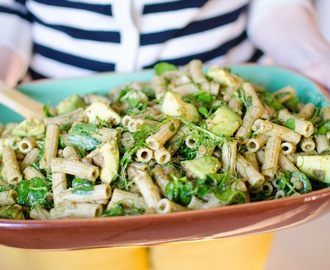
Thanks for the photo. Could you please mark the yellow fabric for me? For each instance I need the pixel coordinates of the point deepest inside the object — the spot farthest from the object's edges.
(248, 253)
(96, 259)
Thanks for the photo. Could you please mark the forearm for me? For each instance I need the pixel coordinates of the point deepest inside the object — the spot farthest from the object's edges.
(15, 42)
(291, 37)
(12, 66)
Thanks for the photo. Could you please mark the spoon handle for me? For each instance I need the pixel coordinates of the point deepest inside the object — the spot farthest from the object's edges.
(20, 103)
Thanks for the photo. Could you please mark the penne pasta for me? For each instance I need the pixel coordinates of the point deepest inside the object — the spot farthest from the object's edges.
(8, 197)
(146, 186)
(99, 192)
(11, 171)
(166, 206)
(77, 168)
(76, 210)
(126, 199)
(31, 172)
(272, 151)
(272, 129)
(165, 132)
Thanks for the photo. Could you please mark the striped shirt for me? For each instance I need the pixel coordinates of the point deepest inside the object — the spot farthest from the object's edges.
(79, 37)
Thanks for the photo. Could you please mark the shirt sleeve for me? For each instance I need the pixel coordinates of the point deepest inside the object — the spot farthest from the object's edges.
(16, 30)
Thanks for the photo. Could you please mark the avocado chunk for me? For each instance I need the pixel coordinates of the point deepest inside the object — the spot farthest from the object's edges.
(29, 128)
(223, 122)
(224, 77)
(200, 167)
(70, 104)
(173, 105)
(315, 167)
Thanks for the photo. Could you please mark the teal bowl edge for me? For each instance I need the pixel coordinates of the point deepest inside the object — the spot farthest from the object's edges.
(51, 91)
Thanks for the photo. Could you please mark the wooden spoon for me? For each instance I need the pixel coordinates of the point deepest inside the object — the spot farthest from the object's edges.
(19, 102)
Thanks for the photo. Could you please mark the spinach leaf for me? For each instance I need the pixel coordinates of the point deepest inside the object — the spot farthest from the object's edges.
(34, 192)
(82, 186)
(160, 68)
(80, 136)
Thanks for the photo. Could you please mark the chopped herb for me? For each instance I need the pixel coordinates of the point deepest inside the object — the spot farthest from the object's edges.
(290, 123)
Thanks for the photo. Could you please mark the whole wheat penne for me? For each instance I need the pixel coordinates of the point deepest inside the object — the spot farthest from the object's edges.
(325, 112)
(30, 158)
(146, 186)
(322, 143)
(76, 210)
(39, 213)
(159, 85)
(161, 155)
(144, 154)
(26, 144)
(272, 151)
(10, 172)
(31, 172)
(51, 144)
(236, 105)
(161, 179)
(105, 134)
(77, 168)
(64, 118)
(252, 158)
(59, 184)
(288, 148)
(284, 94)
(204, 150)
(70, 152)
(190, 141)
(300, 125)
(255, 143)
(307, 144)
(272, 129)
(194, 69)
(307, 111)
(212, 202)
(229, 154)
(246, 170)
(91, 98)
(186, 89)
(249, 119)
(126, 199)
(166, 206)
(8, 197)
(135, 124)
(99, 192)
(285, 163)
(165, 132)
(196, 203)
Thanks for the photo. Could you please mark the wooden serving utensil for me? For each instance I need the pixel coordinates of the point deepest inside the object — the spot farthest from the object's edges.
(19, 102)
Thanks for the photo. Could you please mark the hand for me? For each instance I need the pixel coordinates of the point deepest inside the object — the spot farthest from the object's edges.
(11, 67)
(319, 73)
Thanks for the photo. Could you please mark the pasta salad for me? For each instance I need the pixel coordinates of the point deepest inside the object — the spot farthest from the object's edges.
(191, 138)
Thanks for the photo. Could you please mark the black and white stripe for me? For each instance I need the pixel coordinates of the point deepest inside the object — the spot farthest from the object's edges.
(74, 38)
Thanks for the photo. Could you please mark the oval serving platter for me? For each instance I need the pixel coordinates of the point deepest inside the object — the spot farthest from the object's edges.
(153, 229)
